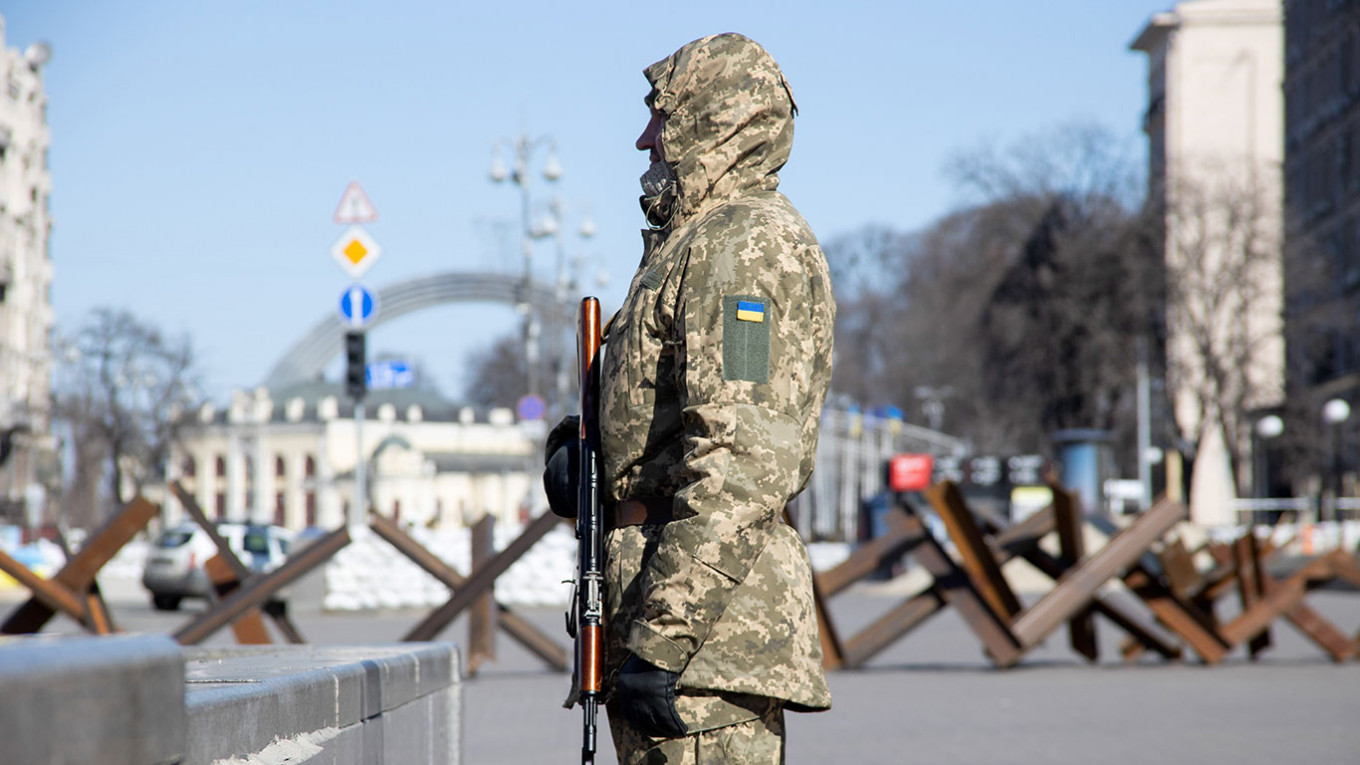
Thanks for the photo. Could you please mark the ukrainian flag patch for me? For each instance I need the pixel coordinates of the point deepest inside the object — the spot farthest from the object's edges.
(746, 338)
(749, 310)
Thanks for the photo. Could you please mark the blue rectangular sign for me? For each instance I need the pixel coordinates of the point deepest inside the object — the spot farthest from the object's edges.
(390, 374)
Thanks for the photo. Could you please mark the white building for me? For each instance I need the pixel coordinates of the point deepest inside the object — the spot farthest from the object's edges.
(288, 457)
(25, 280)
(1214, 121)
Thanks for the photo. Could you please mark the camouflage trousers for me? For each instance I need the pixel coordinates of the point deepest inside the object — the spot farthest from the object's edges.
(757, 741)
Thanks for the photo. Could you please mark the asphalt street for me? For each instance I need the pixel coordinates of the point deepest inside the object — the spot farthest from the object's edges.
(932, 697)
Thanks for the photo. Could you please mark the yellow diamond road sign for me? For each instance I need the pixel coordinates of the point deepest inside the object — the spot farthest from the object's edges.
(355, 251)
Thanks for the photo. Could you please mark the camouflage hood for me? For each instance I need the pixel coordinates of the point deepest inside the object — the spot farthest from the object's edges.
(729, 119)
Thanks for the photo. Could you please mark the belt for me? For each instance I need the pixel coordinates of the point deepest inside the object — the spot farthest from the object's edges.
(643, 511)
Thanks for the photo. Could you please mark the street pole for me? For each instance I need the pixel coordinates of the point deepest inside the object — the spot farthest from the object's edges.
(527, 249)
(356, 385)
(1334, 413)
(355, 252)
(1336, 470)
(358, 509)
(1144, 427)
(523, 147)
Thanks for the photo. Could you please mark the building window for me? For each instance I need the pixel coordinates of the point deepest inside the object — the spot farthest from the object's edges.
(278, 509)
(311, 508)
(250, 483)
(278, 466)
(396, 510)
(220, 505)
(189, 467)
(221, 466)
(309, 469)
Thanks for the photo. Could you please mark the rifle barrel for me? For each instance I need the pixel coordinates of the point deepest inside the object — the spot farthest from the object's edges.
(589, 532)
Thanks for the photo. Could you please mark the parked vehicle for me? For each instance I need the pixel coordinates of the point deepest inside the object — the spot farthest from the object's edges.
(175, 566)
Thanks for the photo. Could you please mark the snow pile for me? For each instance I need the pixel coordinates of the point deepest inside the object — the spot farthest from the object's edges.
(368, 573)
(826, 555)
(128, 562)
(1305, 539)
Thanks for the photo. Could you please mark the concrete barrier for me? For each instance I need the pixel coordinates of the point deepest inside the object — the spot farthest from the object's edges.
(80, 700)
(143, 699)
(324, 704)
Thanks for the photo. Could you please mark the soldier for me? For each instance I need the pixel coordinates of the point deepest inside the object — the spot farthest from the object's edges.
(714, 374)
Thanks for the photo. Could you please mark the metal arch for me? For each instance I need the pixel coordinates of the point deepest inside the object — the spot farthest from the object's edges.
(307, 358)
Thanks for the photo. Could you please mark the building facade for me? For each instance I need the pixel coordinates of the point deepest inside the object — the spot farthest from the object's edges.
(289, 457)
(1322, 199)
(25, 285)
(1215, 145)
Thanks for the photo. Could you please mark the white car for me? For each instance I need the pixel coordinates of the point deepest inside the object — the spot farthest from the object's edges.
(175, 566)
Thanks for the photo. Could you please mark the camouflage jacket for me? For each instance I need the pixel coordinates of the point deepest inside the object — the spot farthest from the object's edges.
(714, 376)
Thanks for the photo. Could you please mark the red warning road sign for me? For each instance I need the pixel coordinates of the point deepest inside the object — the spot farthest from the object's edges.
(355, 206)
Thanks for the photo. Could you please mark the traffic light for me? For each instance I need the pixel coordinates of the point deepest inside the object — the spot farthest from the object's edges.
(356, 384)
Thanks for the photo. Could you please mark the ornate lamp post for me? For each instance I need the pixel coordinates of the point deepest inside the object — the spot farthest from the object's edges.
(562, 289)
(524, 147)
(1335, 413)
(1267, 429)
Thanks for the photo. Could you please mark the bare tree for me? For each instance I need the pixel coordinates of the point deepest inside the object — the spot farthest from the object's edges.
(1225, 354)
(1024, 306)
(122, 388)
(1076, 161)
(499, 376)
(1072, 288)
(1059, 331)
(868, 267)
(957, 267)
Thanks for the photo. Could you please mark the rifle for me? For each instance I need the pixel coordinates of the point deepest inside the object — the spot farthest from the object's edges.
(589, 591)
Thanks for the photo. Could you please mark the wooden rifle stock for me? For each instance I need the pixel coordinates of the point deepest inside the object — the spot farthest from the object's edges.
(589, 605)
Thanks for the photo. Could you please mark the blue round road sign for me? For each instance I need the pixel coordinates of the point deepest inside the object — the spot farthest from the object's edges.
(530, 407)
(357, 306)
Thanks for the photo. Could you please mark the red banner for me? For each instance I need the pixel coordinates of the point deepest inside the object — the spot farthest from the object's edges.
(910, 472)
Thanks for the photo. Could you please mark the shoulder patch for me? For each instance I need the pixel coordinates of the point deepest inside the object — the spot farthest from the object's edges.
(746, 338)
(652, 279)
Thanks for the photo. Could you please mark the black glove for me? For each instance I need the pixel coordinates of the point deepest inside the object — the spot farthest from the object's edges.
(646, 694)
(561, 472)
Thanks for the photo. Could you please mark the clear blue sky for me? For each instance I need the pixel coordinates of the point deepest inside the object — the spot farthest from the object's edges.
(199, 149)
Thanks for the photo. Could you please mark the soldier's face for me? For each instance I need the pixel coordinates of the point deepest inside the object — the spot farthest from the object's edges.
(650, 140)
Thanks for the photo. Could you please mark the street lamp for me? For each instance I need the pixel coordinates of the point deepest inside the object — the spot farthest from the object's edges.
(1267, 429)
(1335, 413)
(563, 285)
(524, 147)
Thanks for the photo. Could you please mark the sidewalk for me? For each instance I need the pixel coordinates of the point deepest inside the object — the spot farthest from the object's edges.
(933, 698)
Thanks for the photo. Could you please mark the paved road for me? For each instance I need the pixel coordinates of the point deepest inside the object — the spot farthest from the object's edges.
(932, 697)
